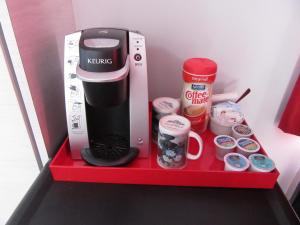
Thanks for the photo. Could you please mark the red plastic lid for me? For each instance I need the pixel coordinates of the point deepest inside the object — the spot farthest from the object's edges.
(200, 66)
(199, 69)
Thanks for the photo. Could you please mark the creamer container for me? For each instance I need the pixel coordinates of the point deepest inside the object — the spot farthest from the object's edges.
(198, 75)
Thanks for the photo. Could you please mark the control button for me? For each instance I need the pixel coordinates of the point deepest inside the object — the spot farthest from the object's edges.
(137, 57)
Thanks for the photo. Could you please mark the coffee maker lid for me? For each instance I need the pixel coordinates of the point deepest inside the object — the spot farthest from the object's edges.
(103, 49)
(103, 76)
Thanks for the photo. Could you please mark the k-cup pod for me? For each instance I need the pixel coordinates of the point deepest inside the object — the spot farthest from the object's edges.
(162, 107)
(247, 146)
(241, 131)
(224, 145)
(235, 162)
(261, 163)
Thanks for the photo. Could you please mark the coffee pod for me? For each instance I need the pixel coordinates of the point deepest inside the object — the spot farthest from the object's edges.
(247, 146)
(261, 163)
(224, 145)
(235, 162)
(241, 131)
(162, 107)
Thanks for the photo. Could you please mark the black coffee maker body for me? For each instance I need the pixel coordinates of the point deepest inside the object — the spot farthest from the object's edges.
(112, 71)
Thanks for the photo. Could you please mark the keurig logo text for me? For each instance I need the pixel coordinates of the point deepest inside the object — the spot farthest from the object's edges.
(99, 61)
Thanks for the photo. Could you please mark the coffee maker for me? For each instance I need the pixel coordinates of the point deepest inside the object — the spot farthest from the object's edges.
(106, 93)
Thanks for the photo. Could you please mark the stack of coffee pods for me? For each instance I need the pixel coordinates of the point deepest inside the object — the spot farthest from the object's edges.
(239, 151)
(162, 107)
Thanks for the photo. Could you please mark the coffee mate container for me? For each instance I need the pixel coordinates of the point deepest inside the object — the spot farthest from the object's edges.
(199, 75)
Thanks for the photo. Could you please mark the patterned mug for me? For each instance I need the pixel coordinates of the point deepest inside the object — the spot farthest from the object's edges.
(173, 138)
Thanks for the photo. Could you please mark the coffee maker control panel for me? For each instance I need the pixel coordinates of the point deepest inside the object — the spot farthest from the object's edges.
(138, 49)
(139, 130)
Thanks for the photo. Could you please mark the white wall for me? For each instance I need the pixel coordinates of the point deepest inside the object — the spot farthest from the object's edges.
(255, 43)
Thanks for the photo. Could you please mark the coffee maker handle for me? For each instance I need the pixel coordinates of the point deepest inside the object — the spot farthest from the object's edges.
(192, 134)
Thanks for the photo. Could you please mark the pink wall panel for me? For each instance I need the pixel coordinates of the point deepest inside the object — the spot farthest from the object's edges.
(39, 28)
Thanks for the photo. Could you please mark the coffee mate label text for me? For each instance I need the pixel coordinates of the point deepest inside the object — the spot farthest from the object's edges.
(196, 103)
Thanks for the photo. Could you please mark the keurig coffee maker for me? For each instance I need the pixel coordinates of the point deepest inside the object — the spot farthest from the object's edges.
(106, 92)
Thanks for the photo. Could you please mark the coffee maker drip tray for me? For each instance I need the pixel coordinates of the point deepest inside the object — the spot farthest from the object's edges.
(110, 147)
(111, 150)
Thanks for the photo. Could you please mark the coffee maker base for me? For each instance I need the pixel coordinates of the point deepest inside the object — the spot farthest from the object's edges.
(87, 155)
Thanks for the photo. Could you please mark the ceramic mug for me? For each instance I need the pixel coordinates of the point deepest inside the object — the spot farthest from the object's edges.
(173, 138)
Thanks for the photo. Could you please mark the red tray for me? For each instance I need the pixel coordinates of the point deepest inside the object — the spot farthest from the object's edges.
(206, 171)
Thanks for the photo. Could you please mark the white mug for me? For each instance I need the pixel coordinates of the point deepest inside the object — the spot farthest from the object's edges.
(173, 138)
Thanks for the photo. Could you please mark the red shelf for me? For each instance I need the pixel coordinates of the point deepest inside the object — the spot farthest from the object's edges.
(206, 171)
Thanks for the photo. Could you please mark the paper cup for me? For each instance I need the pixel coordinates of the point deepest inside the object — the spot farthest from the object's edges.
(220, 128)
(235, 162)
(247, 146)
(224, 144)
(224, 115)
